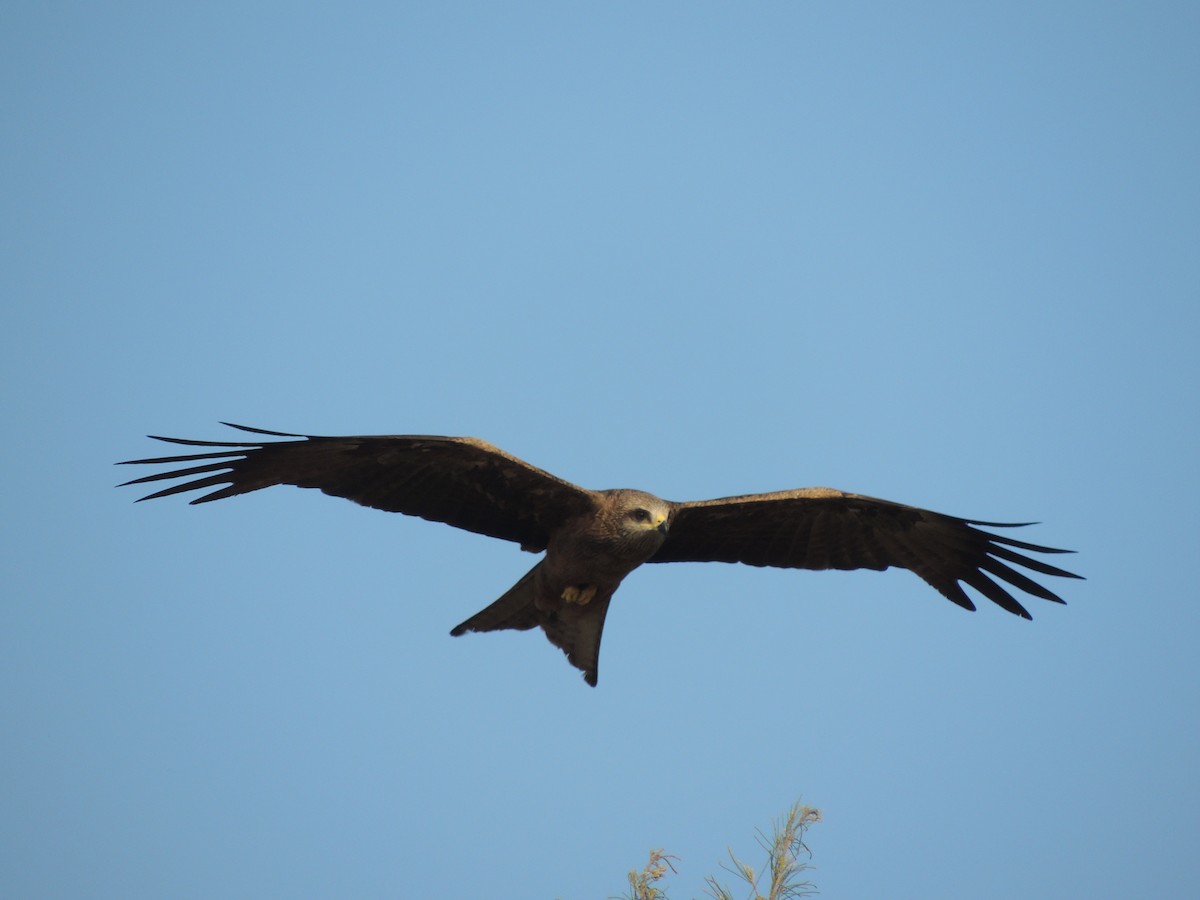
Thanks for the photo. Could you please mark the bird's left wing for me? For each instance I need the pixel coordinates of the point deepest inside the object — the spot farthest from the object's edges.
(821, 528)
(464, 482)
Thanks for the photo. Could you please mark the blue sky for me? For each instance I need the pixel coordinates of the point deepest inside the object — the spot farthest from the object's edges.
(942, 253)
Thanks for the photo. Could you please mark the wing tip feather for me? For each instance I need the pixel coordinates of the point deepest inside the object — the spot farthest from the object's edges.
(266, 431)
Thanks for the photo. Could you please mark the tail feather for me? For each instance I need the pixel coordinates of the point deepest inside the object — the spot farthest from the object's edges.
(573, 628)
(577, 630)
(515, 609)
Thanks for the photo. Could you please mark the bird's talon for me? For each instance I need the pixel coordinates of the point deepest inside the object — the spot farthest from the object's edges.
(579, 594)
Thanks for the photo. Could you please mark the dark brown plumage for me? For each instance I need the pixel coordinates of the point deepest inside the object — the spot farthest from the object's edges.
(593, 539)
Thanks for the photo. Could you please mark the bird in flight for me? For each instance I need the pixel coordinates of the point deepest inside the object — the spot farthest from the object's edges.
(593, 539)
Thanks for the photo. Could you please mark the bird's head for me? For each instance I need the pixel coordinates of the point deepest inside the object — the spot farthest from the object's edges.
(640, 518)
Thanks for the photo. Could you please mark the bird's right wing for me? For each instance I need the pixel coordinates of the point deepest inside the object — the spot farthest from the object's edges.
(461, 481)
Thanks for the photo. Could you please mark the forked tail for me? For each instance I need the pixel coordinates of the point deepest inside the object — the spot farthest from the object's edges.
(572, 626)
(515, 609)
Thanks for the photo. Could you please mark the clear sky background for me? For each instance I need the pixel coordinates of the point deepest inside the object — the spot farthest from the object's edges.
(942, 253)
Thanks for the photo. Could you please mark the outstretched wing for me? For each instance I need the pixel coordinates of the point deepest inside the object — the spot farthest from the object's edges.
(464, 482)
(820, 528)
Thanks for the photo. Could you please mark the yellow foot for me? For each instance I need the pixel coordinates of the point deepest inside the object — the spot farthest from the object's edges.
(581, 594)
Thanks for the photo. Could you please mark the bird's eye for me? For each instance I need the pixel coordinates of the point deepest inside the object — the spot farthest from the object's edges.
(641, 515)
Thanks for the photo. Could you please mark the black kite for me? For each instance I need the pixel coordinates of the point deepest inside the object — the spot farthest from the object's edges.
(593, 539)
